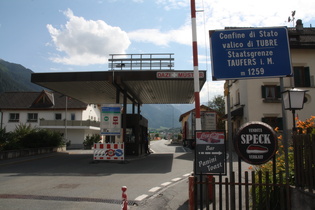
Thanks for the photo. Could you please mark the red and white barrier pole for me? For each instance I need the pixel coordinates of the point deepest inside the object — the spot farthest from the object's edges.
(124, 205)
(195, 61)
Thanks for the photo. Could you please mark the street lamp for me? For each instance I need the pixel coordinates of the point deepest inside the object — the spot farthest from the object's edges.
(293, 99)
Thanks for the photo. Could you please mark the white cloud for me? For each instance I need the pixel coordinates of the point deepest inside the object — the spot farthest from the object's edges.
(219, 14)
(211, 89)
(173, 4)
(160, 38)
(86, 42)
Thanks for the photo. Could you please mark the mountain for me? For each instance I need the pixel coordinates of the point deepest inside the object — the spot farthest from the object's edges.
(15, 77)
(161, 115)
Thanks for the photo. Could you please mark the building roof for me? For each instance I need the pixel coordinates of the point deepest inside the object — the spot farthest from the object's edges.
(44, 100)
(202, 108)
(141, 87)
(301, 38)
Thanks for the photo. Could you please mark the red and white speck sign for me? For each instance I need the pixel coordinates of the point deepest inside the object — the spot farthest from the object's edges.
(179, 75)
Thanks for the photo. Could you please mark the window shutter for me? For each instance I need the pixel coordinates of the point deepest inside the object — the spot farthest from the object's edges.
(297, 77)
(263, 91)
(307, 77)
(278, 92)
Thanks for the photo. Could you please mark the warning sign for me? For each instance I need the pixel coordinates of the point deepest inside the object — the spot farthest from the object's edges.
(111, 151)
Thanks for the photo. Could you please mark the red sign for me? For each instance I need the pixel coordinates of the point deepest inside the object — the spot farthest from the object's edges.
(180, 75)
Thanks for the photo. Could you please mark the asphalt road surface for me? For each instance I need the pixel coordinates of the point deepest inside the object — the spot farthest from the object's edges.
(72, 180)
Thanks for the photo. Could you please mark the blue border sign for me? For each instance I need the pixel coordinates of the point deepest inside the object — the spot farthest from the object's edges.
(250, 53)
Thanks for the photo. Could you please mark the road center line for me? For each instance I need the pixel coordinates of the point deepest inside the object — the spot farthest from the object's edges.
(176, 179)
(166, 183)
(154, 189)
(141, 197)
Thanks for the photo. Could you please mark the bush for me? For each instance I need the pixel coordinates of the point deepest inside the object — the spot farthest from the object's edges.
(43, 138)
(24, 136)
(90, 140)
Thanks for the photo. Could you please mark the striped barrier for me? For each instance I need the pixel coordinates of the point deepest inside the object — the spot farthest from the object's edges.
(110, 151)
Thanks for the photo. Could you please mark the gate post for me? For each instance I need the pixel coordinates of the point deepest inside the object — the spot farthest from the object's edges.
(210, 187)
(191, 192)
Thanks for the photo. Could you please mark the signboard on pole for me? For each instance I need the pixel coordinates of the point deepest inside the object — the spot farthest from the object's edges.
(111, 119)
(210, 152)
(256, 142)
(109, 151)
(250, 53)
(177, 75)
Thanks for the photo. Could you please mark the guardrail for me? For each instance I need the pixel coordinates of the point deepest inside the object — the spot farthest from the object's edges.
(159, 61)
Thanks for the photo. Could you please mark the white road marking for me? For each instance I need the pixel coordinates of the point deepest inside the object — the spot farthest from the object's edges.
(166, 183)
(154, 189)
(141, 197)
(176, 179)
(187, 174)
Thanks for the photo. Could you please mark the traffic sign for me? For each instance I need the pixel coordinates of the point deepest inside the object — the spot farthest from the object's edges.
(210, 152)
(250, 53)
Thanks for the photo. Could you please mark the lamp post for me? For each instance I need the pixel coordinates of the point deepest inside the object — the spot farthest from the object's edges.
(293, 99)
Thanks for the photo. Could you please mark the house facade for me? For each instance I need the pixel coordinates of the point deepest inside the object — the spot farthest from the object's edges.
(50, 110)
(260, 99)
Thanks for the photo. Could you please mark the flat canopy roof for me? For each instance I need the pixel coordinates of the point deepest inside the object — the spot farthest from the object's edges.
(142, 87)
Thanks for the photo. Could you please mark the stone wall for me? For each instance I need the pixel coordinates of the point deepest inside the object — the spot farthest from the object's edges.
(10, 154)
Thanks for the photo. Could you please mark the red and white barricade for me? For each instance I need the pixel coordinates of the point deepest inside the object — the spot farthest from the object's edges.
(110, 151)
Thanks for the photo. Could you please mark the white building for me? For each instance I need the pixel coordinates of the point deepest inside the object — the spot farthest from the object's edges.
(260, 99)
(50, 110)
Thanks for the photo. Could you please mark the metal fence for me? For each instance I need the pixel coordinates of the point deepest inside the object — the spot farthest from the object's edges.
(254, 190)
(304, 162)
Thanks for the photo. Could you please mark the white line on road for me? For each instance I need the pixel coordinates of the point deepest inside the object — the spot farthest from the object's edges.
(154, 189)
(166, 183)
(176, 179)
(141, 197)
(187, 174)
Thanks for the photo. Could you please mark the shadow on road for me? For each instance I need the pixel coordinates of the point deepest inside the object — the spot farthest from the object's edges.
(64, 164)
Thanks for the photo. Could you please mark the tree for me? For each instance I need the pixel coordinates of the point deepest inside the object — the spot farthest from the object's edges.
(218, 104)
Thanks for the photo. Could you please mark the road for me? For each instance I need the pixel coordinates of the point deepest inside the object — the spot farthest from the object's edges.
(73, 181)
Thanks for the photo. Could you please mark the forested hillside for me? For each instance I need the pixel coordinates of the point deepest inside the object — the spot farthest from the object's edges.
(15, 77)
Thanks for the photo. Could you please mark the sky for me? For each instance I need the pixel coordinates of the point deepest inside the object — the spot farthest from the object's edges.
(79, 35)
